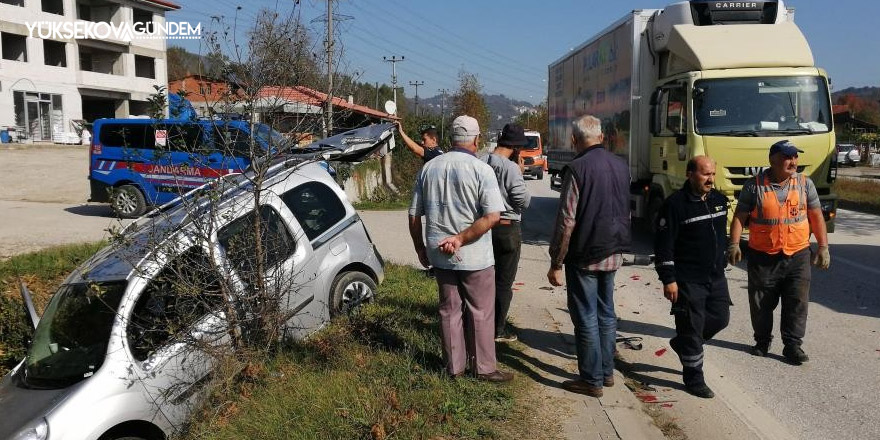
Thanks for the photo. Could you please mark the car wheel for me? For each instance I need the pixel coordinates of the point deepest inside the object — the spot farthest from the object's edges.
(128, 201)
(349, 291)
(540, 175)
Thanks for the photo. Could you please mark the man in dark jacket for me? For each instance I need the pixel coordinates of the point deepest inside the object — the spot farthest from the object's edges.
(689, 247)
(592, 230)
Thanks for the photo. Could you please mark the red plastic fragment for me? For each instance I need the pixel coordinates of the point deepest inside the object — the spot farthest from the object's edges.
(660, 352)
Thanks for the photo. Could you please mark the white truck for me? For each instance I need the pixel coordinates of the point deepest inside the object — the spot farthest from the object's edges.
(723, 79)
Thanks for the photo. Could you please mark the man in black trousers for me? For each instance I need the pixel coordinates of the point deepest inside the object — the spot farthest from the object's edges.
(690, 250)
(507, 234)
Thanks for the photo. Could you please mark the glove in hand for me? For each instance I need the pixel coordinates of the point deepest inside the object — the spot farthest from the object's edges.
(822, 258)
(734, 253)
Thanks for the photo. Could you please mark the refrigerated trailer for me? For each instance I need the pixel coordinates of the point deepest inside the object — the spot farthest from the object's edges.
(722, 79)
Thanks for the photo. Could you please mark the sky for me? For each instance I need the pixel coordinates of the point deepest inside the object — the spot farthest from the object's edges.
(509, 44)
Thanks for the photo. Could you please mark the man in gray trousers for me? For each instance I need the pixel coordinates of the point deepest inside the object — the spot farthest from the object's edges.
(507, 234)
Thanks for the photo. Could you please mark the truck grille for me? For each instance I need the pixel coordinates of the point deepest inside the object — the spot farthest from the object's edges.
(739, 175)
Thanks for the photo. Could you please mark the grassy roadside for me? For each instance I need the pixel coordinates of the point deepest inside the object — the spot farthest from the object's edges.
(42, 271)
(858, 194)
(376, 375)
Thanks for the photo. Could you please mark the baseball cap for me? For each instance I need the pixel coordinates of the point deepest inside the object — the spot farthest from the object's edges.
(786, 148)
(464, 127)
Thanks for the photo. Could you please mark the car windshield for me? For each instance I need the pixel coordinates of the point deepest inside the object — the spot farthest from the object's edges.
(531, 143)
(71, 340)
(763, 106)
(271, 137)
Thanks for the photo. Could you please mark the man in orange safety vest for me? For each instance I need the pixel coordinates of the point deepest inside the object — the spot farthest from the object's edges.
(781, 208)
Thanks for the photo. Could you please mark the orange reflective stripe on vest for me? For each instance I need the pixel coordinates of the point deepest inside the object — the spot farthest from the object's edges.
(779, 227)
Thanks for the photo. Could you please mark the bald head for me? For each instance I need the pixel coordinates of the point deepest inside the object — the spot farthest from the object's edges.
(701, 174)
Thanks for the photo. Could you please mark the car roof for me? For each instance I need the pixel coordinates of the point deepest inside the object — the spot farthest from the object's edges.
(121, 259)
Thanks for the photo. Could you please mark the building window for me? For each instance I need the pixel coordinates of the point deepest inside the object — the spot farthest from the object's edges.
(53, 6)
(144, 67)
(13, 2)
(14, 47)
(143, 20)
(101, 61)
(55, 53)
(97, 11)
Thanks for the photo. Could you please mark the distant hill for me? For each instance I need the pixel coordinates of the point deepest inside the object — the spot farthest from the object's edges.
(869, 93)
(501, 108)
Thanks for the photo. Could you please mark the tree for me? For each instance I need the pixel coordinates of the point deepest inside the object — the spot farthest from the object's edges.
(862, 109)
(468, 100)
(535, 120)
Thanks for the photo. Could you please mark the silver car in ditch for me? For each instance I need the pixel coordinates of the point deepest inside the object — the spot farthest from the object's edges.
(103, 364)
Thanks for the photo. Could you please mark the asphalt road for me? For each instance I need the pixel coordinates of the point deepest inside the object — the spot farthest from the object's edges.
(832, 396)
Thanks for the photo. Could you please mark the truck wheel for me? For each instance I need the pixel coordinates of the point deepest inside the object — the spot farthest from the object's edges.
(128, 201)
(349, 291)
(653, 211)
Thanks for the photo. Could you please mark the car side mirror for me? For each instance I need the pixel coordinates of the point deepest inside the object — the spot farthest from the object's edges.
(27, 299)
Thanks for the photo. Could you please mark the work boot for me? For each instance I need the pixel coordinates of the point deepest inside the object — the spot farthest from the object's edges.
(760, 349)
(505, 336)
(700, 390)
(608, 382)
(582, 387)
(795, 354)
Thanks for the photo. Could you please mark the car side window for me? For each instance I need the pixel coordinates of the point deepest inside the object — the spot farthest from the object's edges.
(315, 206)
(186, 290)
(237, 239)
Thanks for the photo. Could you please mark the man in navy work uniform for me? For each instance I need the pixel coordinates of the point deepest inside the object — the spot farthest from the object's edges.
(690, 247)
(591, 232)
(459, 198)
(507, 234)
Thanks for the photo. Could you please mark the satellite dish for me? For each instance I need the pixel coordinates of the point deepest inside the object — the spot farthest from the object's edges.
(390, 107)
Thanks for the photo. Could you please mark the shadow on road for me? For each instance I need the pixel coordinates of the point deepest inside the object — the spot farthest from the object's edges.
(91, 210)
(538, 220)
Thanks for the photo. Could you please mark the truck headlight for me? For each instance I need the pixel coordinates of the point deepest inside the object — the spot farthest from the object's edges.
(37, 431)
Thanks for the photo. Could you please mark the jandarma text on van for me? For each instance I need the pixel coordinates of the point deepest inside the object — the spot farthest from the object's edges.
(81, 30)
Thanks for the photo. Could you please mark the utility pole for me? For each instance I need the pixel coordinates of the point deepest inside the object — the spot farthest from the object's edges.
(377, 95)
(442, 110)
(393, 60)
(328, 126)
(416, 84)
(386, 159)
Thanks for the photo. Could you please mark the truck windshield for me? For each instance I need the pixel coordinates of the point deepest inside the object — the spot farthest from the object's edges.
(762, 106)
(531, 143)
(71, 340)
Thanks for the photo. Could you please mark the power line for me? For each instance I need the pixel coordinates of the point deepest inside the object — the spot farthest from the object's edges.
(416, 84)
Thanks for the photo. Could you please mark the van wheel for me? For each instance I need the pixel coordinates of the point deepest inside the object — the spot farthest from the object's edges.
(349, 291)
(127, 201)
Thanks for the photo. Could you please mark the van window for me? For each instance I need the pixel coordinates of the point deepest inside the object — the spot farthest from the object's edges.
(232, 141)
(189, 138)
(184, 291)
(315, 206)
(237, 239)
(128, 136)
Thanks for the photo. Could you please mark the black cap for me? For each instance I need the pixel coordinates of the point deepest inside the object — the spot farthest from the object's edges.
(512, 135)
